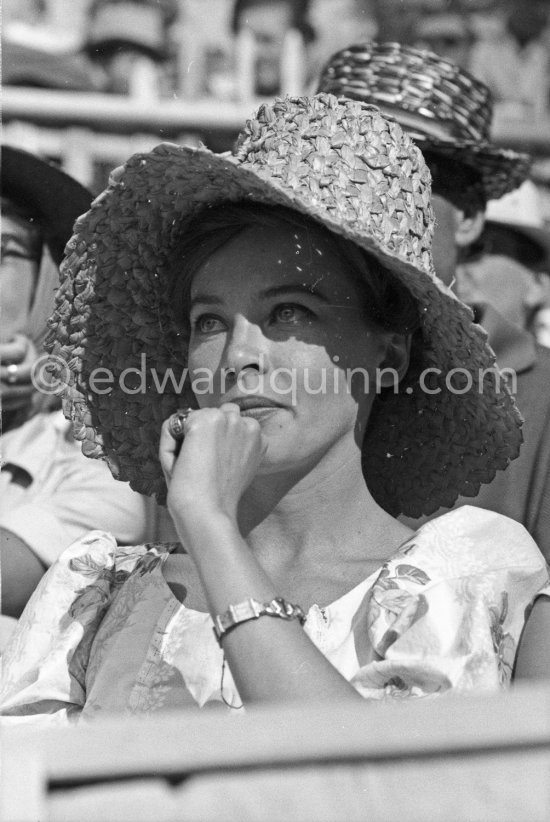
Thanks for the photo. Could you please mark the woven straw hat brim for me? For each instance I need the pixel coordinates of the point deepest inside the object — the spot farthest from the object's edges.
(421, 449)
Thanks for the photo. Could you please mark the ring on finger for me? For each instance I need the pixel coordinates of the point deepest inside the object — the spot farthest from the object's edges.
(12, 371)
(176, 422)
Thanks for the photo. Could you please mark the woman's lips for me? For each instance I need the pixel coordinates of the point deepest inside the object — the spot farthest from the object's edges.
(260, 412)
(251, 403)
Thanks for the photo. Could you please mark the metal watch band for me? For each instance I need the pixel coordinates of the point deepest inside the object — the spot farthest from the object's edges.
(252, 609)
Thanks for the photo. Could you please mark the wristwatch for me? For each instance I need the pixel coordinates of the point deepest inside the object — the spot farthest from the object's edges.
(252, 609)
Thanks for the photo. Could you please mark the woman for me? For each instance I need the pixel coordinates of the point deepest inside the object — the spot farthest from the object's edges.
(287, 295)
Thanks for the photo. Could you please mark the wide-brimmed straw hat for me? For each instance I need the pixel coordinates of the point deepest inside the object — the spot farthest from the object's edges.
(444, 108)
(358, 175)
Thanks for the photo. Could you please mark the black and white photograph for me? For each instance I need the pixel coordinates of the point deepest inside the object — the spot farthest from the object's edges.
(275, 411)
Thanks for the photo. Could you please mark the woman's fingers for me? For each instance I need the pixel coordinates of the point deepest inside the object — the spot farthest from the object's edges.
(15, 351)
(230, 408)
(216, 460)
(15, 373)
(171, 435)
(17, 358)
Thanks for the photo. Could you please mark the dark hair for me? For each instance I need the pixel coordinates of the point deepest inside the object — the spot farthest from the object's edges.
(505, 240)
(526, 20)
(387, 302)
(456, 182)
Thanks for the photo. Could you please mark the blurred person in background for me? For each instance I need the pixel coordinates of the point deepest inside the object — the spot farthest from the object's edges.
(269, 22)
(337, 23)
(40, 54)
(39, 206)
(49, 492)
(515, 65)
(447, 34)
(506, 267)
(396, 20)
(129, 40)
(541, 320)
(448, 113)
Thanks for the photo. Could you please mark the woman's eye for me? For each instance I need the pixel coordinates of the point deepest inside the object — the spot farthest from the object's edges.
(207, 324)
(290, 314)
(15, 253)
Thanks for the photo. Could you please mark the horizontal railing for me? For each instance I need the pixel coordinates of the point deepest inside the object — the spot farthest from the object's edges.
(441, 759)
(83, 129)
(116, 113)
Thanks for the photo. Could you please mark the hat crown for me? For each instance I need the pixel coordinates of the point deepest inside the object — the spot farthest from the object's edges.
(352, 165)
(443, 99)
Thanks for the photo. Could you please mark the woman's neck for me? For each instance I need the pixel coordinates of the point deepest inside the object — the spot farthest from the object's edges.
(308, 517)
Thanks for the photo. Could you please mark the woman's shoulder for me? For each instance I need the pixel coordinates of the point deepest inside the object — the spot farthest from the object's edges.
(45, 658)
(470, 541)
(89, 572)
(97, 552)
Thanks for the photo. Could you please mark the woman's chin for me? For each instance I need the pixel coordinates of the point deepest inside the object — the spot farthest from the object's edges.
(276, 460)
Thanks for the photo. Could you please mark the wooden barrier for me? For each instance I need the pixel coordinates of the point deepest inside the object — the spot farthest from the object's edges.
(444, 759)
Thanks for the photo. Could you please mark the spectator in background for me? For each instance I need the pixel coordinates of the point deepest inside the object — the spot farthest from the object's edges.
(269, 21)
(396, 20)
(37, 54)
(448, 113)
(516, 65)
(39, 206)
(505, 269)
(447, 34)
(129, 40)
(337, 23)
(49, 492)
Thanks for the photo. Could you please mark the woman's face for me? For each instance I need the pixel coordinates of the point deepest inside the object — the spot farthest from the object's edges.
(277, 327)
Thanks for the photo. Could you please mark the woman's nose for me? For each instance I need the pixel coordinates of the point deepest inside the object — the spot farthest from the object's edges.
(246, 348)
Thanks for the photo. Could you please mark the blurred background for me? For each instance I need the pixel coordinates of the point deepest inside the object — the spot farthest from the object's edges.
(88, 82)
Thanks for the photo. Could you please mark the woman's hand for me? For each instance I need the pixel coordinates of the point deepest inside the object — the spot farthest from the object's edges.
(270, 659)
(218, 459)
(17, 357)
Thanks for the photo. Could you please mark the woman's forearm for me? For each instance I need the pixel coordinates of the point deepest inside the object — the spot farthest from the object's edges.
(270, 658)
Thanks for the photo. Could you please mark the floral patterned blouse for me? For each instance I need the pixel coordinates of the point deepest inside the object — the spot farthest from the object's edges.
(103, 632)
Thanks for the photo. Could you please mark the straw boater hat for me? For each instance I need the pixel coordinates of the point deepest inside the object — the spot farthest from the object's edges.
(444, 108)
(358, 175)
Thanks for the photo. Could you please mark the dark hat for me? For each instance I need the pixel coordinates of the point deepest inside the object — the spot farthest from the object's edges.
(54, 198)
(444, 108)
(358, 175)
(116, 25)
(24, 65)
